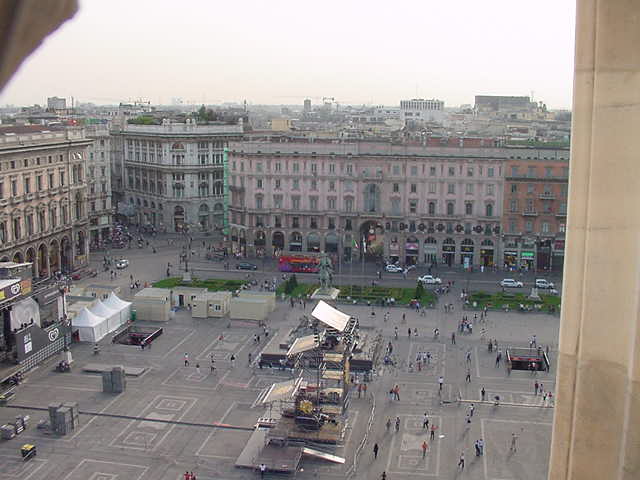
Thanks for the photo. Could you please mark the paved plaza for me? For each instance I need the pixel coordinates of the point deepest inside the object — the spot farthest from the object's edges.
(175, 406)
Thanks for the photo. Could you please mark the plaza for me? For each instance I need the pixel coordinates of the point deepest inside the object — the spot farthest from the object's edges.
(166, 422)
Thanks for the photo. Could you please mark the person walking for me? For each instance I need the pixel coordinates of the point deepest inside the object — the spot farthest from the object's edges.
(514, 439)
(453, 338)
(383, 476)
(468, 357)
(535, 387)
(432, 433)
(483, 394)
(186, 359)
(440, 382)
(198, 369)
(481, 446)
(425, 420)
(233, 360)
(396, 392)
(249, 358)
(498, 358)
(425, 447)
(472, 408)
(409, 332)
(397, 424)
(263, 469)
(461, 462)
(375, 451)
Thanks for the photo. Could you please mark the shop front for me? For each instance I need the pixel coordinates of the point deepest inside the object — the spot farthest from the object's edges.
(430, 254)
(527, 259)
(557, 259)
(448, 252)
(466, 253)
(486, 253)
(411, 251)
(510, 259)
(394, 251)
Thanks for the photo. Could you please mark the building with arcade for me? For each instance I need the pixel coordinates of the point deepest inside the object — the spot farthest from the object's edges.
(410, 204)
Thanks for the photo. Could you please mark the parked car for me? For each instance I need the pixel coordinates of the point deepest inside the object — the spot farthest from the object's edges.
(429, 280)
(542, 283)
(122, 263)
(246, 266)
(393, 268)
(511, 283)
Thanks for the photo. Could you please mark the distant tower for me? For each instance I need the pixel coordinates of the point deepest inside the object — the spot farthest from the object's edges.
(307, 105)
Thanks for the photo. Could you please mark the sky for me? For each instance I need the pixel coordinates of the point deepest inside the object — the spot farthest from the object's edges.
(282, 51)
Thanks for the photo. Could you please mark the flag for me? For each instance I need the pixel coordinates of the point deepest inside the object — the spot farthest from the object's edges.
(364, 245)
(355, 244)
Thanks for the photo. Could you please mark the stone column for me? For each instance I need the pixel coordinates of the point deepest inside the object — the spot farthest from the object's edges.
(596, 430)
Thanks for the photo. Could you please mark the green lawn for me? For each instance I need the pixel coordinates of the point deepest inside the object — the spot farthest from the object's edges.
(513, 300)
(365, 293)
(212, 284)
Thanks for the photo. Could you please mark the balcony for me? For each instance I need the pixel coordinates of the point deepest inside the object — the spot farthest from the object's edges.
(561, 214)
(547, 196)
(530, 213)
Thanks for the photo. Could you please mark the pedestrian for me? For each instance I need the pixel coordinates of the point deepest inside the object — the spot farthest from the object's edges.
(472, 408)
(425, 420)
(375, 451)
(481, 446)
(514, 438)
(409, 332)
(535, 388)
(193, 476)
(440, 382)
(432, 435)
(477, 447)
(383, 476)
(263, 469)
(483, 394)
(233, 360)
(468, 356)
(498, 358)
(198, 369)
(186, 475)
(388, 424)
(453, 338)
(359, 390)
(364, 390)
(468, 377)
(396, 392)
(403, 317)
(424, 448)
(250, 356)
(186, 359)
(397, 424)
(461, 461)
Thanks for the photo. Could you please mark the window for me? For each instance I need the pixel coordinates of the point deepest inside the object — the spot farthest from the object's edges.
(546, 207)
(451, 188)
(432, 208)
(432, 171)
(331, 223)
(452, 171)
(490, 172)
(414, 171)
(515, 171)
(51, 184)
(531, 172)
(332, 186)
(314, 185)
(450, 208)
(561, 228)
(531, 188)
(489, 210)
(277, 184)
(565, 172)
(259, 183)
(62, 178)
(313, 203)
(413, 206)
(27, 185)
(331, 201)
(514, 188)
(1, 189)
(259, 167)
(548, 172)
(548, 190)
(563, 190)
(29, 224)
(278, 167)
(395, 206)
(16, 229)
(277, 222)
(433, 187)
(349, 169)
(545, 227)
(313, 222)
(512, 226)
(314, 168)
(348, 186)
(529, 207)
(414, 188)
(39, 183)
(14, 188)
(468, 208)
(295, 222)
(513, 205)
(469, 189)
(563, 209)
(295, 184)
(396, 169)
(259, 202)
(396, 188)
(242, 166)
(469, 171)
(348, 204)
(332, 168)
(92, 205)
(295, 203)
(347, 224)
(528, 226)
(296, 167)
(490, 189)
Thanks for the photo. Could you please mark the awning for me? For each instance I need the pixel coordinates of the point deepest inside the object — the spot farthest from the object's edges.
(330, 316)
(302, 344)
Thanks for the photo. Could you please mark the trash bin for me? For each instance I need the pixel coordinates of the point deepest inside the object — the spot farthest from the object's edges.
(134, 315)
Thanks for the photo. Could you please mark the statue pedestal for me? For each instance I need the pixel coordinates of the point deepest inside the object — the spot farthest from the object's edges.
(534, 294)
(325, 294)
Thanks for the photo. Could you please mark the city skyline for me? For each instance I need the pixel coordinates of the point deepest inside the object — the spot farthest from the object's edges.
(269, 55)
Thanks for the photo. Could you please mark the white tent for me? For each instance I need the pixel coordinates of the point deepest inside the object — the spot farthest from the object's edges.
(90, 327)
(112, 316)
(120, 306)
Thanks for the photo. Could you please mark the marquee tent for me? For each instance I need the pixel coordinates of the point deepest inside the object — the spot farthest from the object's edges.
(112, 316)
(122, 307)
(90, 327)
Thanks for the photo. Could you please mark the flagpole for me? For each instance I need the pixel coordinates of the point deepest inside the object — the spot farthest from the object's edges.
(364, 251)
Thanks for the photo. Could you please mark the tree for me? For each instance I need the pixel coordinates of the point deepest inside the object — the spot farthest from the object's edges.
(420, 291)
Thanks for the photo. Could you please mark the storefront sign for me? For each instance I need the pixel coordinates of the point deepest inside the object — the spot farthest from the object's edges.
(411, 246)
(526, 254)
(466, 248)
(449, 248)
(558, 245)
(12, 291)
(430, 249)
(511, 254)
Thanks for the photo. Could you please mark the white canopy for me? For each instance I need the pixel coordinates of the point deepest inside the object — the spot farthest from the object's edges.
(120, 306)
(330, 316)
(112, 316)
(91, 327)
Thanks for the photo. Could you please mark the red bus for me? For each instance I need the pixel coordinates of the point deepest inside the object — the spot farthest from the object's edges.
(298, 264)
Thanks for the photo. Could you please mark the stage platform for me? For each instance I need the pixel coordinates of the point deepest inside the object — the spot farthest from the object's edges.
(280, 459)
(99, 368)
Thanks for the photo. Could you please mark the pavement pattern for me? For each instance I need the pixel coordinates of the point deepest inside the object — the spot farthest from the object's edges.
(162, 425)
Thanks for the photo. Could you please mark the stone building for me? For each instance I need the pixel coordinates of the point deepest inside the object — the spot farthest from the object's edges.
(43, 213)
(173, 174)
(100, 209)
(535, 207)
(407, 204)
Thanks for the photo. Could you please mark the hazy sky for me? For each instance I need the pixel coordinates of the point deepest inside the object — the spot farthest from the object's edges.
(281, 51)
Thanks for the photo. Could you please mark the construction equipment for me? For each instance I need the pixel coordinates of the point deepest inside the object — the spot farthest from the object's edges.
(28, 451)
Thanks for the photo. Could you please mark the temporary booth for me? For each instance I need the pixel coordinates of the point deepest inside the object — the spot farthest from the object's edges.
(243, 308)
(119, 305)
(90, 327)
(268, 297)
(95, 290)
(112, 316)
(153, 304)
(211, 304)
(185, 296)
